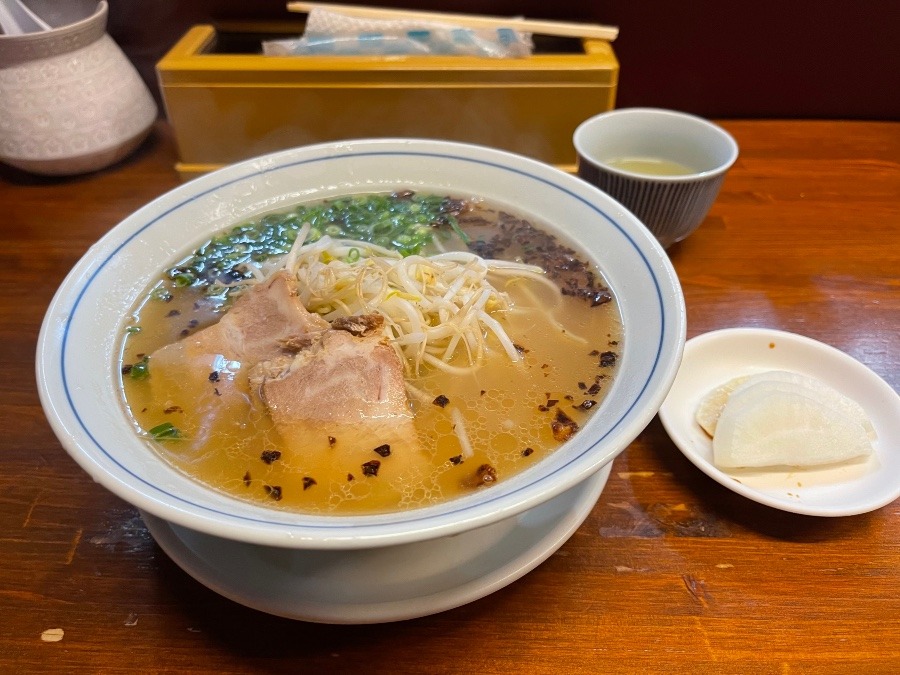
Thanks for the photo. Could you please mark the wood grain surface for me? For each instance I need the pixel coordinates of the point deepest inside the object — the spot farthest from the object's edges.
(670, 573)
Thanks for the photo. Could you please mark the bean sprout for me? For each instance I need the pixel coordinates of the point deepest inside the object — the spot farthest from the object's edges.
(439, 310)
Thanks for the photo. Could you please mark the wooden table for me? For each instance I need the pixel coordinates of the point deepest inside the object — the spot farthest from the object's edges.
(670, 573)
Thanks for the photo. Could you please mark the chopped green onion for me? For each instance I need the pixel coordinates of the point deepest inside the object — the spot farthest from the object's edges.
(141, 369)
(454, 223)
(404, 221)
(132, 330)
(183, 279)
(352, 255)
(165, 431)
(161, 293)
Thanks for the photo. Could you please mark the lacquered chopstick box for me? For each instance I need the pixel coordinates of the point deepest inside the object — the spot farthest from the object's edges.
(227, 102)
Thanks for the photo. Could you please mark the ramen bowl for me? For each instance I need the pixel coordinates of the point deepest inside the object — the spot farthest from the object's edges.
(79, 379)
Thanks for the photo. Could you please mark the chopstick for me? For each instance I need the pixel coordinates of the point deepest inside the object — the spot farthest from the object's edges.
(556, 28)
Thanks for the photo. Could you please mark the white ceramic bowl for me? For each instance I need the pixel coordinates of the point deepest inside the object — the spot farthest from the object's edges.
(77, 372)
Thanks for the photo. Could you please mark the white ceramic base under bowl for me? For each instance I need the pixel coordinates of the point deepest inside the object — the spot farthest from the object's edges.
(384, 584)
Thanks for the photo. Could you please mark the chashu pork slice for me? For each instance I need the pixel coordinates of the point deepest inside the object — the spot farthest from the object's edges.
(345, 394)
(259, 323)
(205, 375)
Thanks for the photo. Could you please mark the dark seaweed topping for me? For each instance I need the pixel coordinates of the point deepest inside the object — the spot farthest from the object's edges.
(331, 441)
(563, 426)
(214, 376)
(549, 404)
(383, 450)
(247, 479)
(519, 239)
(308, 482)
(527, 451)
(486, 474)
(442, 401)
(174, 312)
(519, 348)
(456, 459)
(269, 456)
(349, 477)
(230, 276)
(371, 467)
(608, 359)
(173, 409)
(595, 389)
(274, 491)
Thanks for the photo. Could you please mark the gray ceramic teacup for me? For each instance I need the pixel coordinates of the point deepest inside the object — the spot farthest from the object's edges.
(666, 167)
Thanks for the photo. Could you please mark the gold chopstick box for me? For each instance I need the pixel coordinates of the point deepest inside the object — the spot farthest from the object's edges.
(227, 102)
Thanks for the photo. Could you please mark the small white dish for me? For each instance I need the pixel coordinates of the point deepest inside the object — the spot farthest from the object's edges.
(383, 584)
(842, 489)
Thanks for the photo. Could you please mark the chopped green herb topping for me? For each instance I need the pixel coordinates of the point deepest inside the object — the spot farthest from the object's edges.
(403, 221)
(140, 370)
(165, 431)
(162, 294)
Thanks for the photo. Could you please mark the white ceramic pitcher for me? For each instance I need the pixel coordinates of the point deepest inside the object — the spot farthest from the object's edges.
(70, 101)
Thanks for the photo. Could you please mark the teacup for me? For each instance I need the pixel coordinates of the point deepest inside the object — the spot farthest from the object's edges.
(664, 166)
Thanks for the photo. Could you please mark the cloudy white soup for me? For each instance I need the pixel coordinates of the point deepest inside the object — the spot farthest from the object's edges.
(370, 353)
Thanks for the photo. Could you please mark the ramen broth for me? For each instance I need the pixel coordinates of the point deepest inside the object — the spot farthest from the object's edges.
(510, 414)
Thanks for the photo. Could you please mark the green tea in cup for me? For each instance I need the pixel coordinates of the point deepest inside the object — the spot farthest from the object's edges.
(649, 166)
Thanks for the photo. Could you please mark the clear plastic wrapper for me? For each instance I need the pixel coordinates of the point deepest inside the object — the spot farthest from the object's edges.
(333, 33)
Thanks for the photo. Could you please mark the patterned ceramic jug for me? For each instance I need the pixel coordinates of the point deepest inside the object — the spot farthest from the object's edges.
(70, 101)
